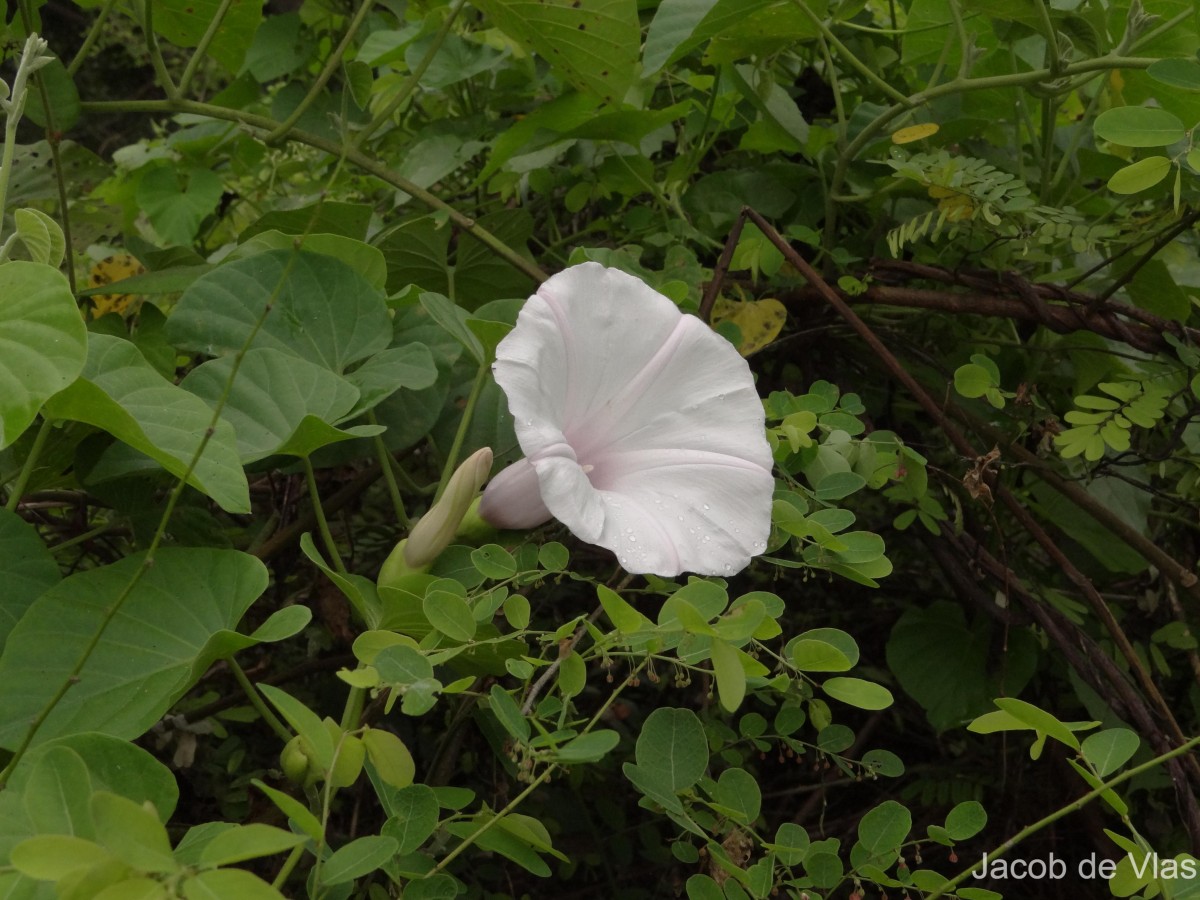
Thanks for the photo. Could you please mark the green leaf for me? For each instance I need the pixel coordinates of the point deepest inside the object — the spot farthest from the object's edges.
(493, 561)
(272, 395)
(402, 665)
(304, 722)
(364, 259)
(41, 235)
(883, 829)
(221, 884)
(1143, 174)
(587, 748)
(966, 820)
(942, 662)
(321, 310)
(623, 616)
(49, 857)
(1178, 73)
(572, 675)
(174, 623)
(824, 650)
(358, 858)
(672, 749)
(454, 321)
(1109, 749)
(414, 817)
(972, 380)
(737, 790)
(184, 23)
(121, 393)
(177, 200)
(857, 692)
(731, 677)
(673, 23)
(294, 810)
(1038, 719)
(58, 792)
(506, 711)
(132, 833)
(242, 842)
(409, 367)
(1139, 126)
(390, 757)
(595, 45)
(27, 569)
(450, 614)
(62, 93)
(44, 340)
(703, 887)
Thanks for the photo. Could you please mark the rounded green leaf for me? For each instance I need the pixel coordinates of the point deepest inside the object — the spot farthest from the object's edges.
(244, 842)
(1110, 749)
(390, 757)
(414, 811)
(1179, 73)
(221, 884)
(738, 791)
(121, 393)
(966, 820)
(824, 650)
(272, 395)
(27, 569)
(1139, 126)
(358, 858)
(972, 380)
(321, 309)
(49, 857)
(171, 627)
(731, 677)
(132, 833)
(882, 830)
(672, 749)
(1143, 174)
(177, 200)
(43, 342)
(859, 693)
(450, 614)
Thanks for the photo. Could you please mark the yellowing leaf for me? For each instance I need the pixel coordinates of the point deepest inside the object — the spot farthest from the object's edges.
(914, 133)
(759, 321)
(114, 268)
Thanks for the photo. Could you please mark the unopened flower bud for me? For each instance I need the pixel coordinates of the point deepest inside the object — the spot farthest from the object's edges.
(436, 529)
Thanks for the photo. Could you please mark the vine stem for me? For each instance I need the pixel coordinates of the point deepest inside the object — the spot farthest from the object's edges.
(862, 68)
(27, 467)
(386, 465)
(256, 701)
(1071, 807)
(414, 78)
(322, 523)
(156, 57)
(331, 65)
(189, 71)
(460, 436)
(350, 154)
(93, 35)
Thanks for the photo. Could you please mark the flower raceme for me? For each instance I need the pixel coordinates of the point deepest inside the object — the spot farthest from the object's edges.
(641, 428)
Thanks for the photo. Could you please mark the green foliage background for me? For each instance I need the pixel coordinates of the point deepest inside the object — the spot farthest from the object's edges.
(973, 628)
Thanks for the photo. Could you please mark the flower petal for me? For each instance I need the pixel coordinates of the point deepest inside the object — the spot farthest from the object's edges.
(667, 511)
(643, 426)
(513, 499)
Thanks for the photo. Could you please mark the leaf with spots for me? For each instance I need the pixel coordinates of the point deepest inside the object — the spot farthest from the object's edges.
(593, 43)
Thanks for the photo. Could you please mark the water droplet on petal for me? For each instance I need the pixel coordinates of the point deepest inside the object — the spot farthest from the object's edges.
(706, 506)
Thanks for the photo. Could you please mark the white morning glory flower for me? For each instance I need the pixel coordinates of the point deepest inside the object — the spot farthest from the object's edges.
(642, 430)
